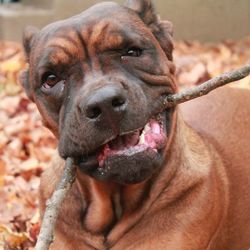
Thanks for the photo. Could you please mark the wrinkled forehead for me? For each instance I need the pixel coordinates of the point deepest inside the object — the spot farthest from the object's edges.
(102, 27)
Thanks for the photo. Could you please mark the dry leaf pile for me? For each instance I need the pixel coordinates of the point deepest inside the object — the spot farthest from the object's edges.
(197, 62)
(25, 149)
(26, 146)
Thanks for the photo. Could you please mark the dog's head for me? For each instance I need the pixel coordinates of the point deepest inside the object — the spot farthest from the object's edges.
(96, 79)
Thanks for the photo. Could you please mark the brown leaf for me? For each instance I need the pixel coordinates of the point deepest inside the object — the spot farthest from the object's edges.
(2, 167)
(30, 168)
(10, 238)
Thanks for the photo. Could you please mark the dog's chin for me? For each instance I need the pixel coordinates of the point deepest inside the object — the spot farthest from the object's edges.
(131, 157)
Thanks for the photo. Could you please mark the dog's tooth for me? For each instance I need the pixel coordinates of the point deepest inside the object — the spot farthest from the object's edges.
(142, 138)
(144, 131)
(146, 128)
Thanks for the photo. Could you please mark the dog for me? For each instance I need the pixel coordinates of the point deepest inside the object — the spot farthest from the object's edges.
(178, 179)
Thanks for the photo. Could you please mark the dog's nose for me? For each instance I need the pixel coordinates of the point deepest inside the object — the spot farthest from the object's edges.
(106, 104)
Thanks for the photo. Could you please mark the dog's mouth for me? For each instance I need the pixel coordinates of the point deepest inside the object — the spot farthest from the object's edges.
(131, 156)
(151, 136)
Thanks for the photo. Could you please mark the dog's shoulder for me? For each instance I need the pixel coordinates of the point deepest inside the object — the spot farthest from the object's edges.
(223, 118)
(223, 114)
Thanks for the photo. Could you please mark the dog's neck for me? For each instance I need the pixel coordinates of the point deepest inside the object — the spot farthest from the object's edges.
(109, 202)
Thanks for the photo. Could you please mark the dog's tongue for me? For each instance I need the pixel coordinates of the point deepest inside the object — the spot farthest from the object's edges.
(150, 137)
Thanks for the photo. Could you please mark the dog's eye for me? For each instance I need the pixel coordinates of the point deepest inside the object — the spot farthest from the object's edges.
(49, 80)
(135, 52)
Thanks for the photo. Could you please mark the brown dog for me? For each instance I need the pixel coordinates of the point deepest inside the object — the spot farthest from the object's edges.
(144, 180)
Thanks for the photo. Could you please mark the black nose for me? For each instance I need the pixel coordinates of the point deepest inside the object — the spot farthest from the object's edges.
(106, 104)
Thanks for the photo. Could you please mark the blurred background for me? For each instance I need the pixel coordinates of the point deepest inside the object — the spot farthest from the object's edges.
(204, 20)
(211, 37)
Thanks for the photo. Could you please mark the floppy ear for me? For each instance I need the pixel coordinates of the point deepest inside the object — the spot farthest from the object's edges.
(24, 80)
(29, 35)
(162, 30)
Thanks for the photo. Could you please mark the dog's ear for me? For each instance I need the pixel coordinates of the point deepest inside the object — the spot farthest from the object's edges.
(162, 30)
(145, 9)
(24, 80)
(29, 35)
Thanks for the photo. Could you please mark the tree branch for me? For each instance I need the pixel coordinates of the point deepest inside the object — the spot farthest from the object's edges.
(53, 205)
(206, 87)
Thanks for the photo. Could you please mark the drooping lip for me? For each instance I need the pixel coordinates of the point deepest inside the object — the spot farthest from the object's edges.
(152, 136)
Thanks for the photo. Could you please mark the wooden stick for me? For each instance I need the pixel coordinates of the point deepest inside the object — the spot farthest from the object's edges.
(206, 87)
(53, 205)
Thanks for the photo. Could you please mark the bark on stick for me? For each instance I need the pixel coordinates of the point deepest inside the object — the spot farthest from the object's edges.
(206, 87)
(53, 205)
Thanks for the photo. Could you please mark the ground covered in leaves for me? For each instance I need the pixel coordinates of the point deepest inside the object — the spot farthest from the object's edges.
(26, 146)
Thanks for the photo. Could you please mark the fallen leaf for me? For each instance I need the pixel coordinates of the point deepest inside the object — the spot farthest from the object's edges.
(10, 238)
